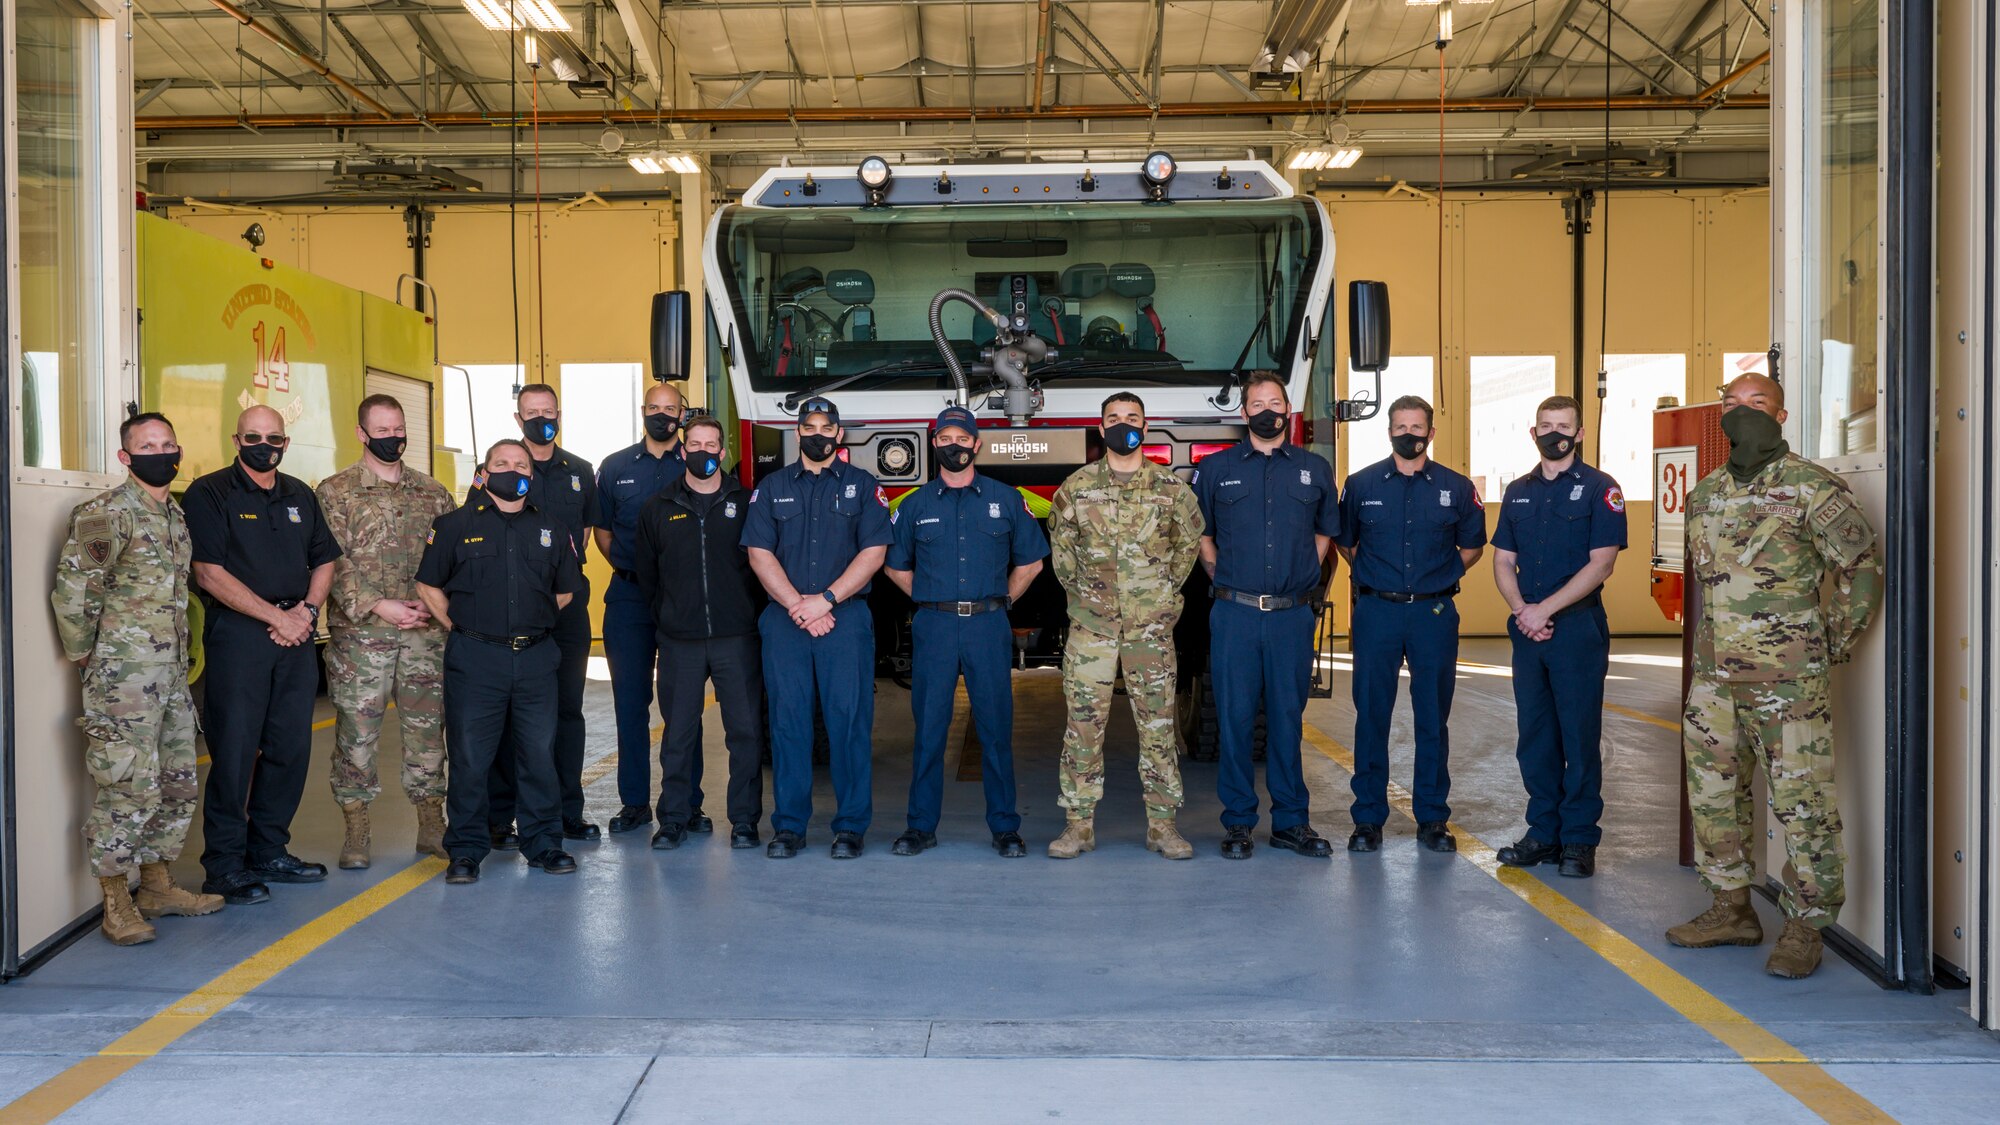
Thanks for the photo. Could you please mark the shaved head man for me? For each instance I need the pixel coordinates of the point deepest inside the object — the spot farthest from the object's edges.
(263, 558)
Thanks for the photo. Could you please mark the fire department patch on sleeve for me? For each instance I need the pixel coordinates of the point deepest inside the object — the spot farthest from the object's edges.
(881, 496)
(1614, 498)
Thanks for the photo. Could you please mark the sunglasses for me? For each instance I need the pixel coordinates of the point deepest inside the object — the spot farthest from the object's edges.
(278, 440)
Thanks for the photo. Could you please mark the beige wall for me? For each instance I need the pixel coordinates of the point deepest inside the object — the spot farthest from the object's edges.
(600, 266)
(1689, 274)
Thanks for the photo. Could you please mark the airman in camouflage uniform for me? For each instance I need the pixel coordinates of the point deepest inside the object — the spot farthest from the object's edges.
(384, 642)
(1764, 534)
(1123, 535)
(120, 597)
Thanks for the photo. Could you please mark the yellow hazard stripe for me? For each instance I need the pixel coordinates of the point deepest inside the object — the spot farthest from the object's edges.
(1774, 1058)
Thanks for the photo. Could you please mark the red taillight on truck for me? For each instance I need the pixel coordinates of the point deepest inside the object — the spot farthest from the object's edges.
(1158, 454)
(1203, 449)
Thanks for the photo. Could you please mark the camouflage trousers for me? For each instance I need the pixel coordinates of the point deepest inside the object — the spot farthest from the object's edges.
(1729, 730)
(1090, 666)
(139, 722)
(365, 668)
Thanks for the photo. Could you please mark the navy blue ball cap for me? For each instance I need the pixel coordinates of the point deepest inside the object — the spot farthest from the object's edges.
(819, 405)
(957, 416)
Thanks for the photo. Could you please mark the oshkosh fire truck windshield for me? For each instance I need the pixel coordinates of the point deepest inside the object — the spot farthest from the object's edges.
(1129, 294)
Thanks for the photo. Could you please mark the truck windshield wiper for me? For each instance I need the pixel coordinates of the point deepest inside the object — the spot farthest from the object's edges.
(792, 400)
(1075, 366)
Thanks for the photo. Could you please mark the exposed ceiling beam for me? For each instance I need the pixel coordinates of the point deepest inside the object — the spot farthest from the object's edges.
(642, 30)
(154, 91)
(741, 91)
(369, 64)
(318, 67)
(1685, 37)
(1672, 61)
(1548, 43)
(267, 68)
(430, 46)
(1578, 31)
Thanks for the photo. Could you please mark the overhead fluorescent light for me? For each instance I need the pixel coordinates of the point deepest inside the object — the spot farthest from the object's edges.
(1435, 3)
(683, 163)
(513, 15)
(1343, 158)
(1309, 160)
(647, 163)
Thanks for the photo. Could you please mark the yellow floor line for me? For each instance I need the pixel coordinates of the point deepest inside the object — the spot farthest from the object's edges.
(1772, 1057)
(1663, 724)
(317, 727)
(54, 1097)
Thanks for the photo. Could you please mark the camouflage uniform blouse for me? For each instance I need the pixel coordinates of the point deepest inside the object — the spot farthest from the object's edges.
(121, 588)
(1123, 550)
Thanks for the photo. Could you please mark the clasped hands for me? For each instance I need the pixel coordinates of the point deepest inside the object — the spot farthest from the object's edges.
(814, 614)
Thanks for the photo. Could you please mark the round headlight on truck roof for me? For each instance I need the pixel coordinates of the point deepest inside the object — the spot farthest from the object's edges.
(1158, 169)
(873, 172)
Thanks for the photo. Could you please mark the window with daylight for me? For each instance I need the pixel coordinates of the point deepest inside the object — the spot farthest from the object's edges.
(600, 408)
(1368, 442)
(1505, 391)
(1633, 388)
(478, 410)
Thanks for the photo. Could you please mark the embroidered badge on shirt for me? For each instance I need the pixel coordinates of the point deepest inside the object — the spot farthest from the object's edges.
(881, 497)
(1614, 499)
(1305, 476)
(1576, 493)
(548, 538)
(729, 510)
(850, 492)
(1444, 497)
(575, 483)
(993, 511)
(1788, 511)
(294, 513)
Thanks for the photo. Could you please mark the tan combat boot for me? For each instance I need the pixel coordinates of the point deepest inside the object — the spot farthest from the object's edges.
(122, 923)
(354, 849)
(1797, 952)
(158, 895)
(1731, 921)
(430, 827)
(1079, 836)
(1164, 837)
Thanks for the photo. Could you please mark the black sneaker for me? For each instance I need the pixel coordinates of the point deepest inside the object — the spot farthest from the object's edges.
(669, 837)
(743, 836)
(1303, 840)
(1009, 845)
(1528, 851)
(555, 861)
(699, 824)
(238, 888)
(1435, 835)
(288, 868)
(462, 871)
(912, 842)
(630, 817)
(1365, 838)
(1579, 861)
(846, 845)
(784, 845)
(581, 830)
(505, 839)
(1236, 842)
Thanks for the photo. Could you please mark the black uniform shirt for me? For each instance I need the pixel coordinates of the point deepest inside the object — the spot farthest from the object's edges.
(565, 487)
(626, 480)
(1265, 512)
(1406, 531)
(502, 572)
(815, 523)
(271, 540)
(960, 543)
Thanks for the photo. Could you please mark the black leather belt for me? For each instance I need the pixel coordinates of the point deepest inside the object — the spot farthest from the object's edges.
(1590, 601)
(1406, 599)
(518, 644)
(631, 576)
(288, 603)
(966, 609)
(1265, 602)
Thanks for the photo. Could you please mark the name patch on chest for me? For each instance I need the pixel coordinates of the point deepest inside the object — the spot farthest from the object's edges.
(1786, 511)
(474, 539)
(931, 520)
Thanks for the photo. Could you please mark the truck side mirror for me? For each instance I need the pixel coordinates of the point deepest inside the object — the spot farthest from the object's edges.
(672, 335)
(1368, 325)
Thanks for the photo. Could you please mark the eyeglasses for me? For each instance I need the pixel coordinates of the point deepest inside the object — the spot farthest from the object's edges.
(278, 440)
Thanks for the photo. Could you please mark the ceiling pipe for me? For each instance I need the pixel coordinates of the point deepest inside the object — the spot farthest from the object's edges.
(1729, 79)
(779, 115)
(1041, 51)
(312, 64)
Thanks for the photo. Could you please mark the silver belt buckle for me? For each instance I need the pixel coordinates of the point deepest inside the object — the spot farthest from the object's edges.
(1262, 599)
(966, 609)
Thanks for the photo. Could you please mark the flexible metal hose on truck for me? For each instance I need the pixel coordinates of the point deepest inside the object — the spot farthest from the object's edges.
(958, 380)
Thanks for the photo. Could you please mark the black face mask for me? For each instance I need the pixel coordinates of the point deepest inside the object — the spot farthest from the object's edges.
(702, 466)
(817, 447)
(507, 485)
(541, 431)
(1122, 438)
(1555, 445)
(260, 458)
(954, 458)
(1754, 441)
(388, 449)
(156, 469)
(1269, 423)
(661, 427)
(1409, 446)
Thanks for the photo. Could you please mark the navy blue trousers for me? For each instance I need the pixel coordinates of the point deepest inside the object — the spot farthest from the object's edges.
(631, 648)
(1385, 635)
(839, 669)
(982, 648)
(1260, 657)
(1559, 704)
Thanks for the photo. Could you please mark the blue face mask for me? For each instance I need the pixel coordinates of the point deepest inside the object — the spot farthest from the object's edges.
(541, 431)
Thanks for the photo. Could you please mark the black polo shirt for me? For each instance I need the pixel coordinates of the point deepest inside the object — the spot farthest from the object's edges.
(271, 540)
(502, 572)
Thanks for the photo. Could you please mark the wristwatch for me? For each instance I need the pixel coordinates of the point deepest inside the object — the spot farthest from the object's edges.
(828, 595)
(313, 610)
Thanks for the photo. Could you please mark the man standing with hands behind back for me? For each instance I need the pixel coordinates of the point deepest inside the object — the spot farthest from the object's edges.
(263, 555)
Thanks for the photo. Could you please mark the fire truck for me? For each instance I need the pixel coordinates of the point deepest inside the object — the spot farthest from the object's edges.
(1029, 293)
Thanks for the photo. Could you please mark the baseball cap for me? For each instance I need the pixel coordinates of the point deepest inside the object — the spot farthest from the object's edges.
(819, 405)
(957, 416)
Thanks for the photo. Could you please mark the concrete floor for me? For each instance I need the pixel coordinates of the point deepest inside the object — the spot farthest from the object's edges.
(706, 984)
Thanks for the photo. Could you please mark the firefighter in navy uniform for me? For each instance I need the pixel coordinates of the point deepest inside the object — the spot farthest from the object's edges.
(564, 489)
(626, 482)
(1270, 511)
(497, 574)
(263, 556)
(704, 602)
(816, 533)
(1561, 528)
(965, 547)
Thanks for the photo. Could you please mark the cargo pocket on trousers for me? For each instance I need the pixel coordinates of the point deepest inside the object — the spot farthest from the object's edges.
(111, 755)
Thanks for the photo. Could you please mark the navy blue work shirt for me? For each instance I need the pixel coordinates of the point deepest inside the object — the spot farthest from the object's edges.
(1264, 510)
(815, 523)
(626, 480)
(1551, 526)
(1406, 531)
(959, 543)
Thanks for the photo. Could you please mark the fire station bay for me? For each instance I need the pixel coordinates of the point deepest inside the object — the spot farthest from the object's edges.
(993, 561)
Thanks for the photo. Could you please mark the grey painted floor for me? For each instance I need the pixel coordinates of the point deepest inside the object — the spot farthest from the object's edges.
(706, 984)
